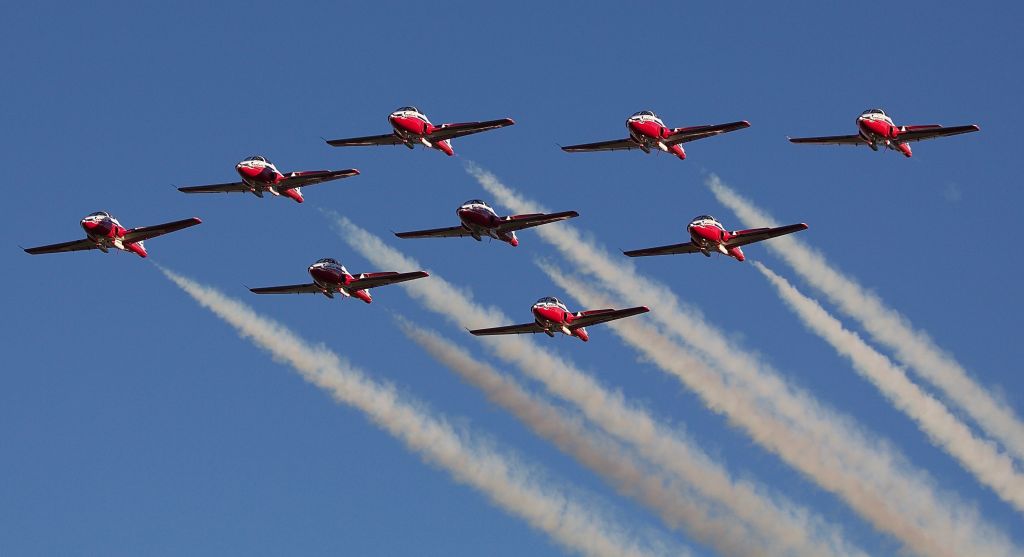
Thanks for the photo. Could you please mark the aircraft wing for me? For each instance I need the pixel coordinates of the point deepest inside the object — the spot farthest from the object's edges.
(830, 140)
(744, 237)
(450, 232)
(920, 133)
(451, 131)
(373, 280)
(388, 139)
(593, 317)
(310, 288)
(75, 245)
(230, 187)
(525, 328)
(147, 232)
(519, 222)
(613, 145)
(671, 249)
(694, 133)
(311, 177)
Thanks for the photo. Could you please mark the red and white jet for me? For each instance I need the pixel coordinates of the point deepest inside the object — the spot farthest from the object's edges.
(875, 130)
(412, 127)
(707, 235)
(479, 220)
(103, 232)
(550, 316)
(331, 277)
(648, 133)
(260, 175)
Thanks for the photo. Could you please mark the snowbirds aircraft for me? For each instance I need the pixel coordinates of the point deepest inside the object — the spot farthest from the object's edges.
(707, 235)
(479, 220)
(103, 232)
(648, 133)
(876, 130)
(412, 127)
(260, 175)
(331, 277)
(551, 316)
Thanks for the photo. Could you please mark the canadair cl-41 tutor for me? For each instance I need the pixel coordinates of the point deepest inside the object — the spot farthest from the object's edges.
(550, 316)
(102, 232)
(411, 127)
(648, 133)
(876, 130)
(479, 220)
(260, 176)
(331, 277)
(708, 235)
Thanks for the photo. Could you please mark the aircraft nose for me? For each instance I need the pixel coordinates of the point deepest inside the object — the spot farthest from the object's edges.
(705, 232)
(247, 171)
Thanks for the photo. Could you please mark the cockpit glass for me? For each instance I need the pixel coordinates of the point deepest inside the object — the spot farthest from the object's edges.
(256, 158)
(550, 300)
(408, 109)
(644, 113)
(327, 260)
(704, 217)
(100, 214)
(475, 202)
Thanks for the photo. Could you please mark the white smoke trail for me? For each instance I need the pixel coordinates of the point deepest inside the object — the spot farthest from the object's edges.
(886, 326)
(773, 517)
(507, 482)
(979, 457)
(678, 507)
(827, 447)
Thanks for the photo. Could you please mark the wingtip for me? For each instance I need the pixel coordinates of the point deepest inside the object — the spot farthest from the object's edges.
(746, 124)
(510, 121)
(645, 309)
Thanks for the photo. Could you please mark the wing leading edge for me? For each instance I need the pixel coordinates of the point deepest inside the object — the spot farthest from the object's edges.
(744, 237)
(451, 131)
(694, 133)
(374, 280)
(520, 222)
(671, 249)
(525, 328)
(612, 145)
(310, 288)
(921, 133)
(147, 232)
(596, 316)
(830, 140)
(450, 232)
(313, 177)
(74, 245)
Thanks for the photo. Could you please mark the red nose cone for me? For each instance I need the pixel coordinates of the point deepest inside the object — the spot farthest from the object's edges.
(708, 233)
(549, 314)
(248, 171)
(89, 225)
(876, 127)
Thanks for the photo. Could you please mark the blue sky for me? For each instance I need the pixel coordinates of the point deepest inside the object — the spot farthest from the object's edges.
(132, 421)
